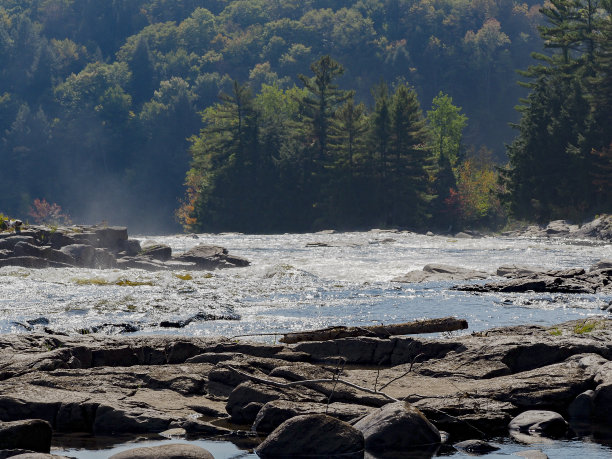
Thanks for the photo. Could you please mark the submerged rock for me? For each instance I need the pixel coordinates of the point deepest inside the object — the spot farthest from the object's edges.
(211, 257)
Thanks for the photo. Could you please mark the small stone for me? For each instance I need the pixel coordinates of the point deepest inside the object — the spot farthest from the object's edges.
(476, 446)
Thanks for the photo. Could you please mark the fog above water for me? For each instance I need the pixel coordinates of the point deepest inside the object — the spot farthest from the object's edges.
(297, 282)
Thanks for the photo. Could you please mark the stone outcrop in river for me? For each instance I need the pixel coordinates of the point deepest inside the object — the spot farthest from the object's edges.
(525, 279)
(469, 386)
(103, 247)
(599, 228)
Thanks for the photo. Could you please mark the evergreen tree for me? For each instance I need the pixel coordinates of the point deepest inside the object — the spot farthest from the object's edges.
(409, 161)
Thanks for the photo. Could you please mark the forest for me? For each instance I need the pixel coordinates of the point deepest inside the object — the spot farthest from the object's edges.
(270, 115)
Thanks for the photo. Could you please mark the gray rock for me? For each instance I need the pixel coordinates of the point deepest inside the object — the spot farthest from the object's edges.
(32, 455)
(140, 263)
(248, 398)
(23, 249)
(599, 228)
(112, 420)
(582, 406)
(312, 434)
(8, 243)
(517, 271)
(475, 446)
(438, 272)
(540, 422)
(274, 413)
(171, 451)
(32, 262)
(131, 247)
(603, 264)
(398, 427)
(602, 402)
(112, 237)
(161, 252)
(83, 254)
(211, 257)
(30, 434)
(463, 235)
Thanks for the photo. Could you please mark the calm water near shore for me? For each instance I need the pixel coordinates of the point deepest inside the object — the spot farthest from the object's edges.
(298, 282)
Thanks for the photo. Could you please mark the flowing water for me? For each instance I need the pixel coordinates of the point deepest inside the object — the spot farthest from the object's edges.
(299, 282)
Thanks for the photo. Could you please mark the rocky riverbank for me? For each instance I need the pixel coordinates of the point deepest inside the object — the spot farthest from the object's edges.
(467, 387)
(102, 247)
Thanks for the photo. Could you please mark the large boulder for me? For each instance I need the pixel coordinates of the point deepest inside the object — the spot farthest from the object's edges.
(310, 435)
(274, 413)
(398, 428)
(211, 257)
(83, 254)
(112, 237)
(30, 434)
(539, 422)
(24, 249)
(172, 451)
(161, 252)
(8, 243)
(599, 228)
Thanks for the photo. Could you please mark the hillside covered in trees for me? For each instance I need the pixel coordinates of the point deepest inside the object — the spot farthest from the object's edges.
(105, 106)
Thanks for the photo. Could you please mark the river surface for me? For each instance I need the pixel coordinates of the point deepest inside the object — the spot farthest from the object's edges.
(298, 282)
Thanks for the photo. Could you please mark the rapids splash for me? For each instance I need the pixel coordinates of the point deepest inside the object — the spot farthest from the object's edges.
(296, 282)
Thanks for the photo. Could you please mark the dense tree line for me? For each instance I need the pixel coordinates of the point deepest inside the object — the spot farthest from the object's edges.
(310, 158)
(98, 99)
(561, 161)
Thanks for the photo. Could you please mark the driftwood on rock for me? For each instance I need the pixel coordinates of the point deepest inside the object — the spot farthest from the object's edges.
(381, 331)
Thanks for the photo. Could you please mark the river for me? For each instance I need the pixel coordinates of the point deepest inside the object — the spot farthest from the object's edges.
(298, 282)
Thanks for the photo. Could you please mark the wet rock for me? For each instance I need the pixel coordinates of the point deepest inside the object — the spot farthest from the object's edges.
(130, 247)
(5, 253)
(112, 237)
(475, 446)
(602, 402)
(9, 243)
(199, 317)
(32, 262)
(599, 228)
(83, 254)
(582, 406)
(30, 434)
(312, 434)
(553, 281)
(248, 398)
(23, 454)
(398, 427)
(211, 257)
(274, 413)
(172, 451)
(159, 252)
(603, 264)
(517, 271)
(140, 263)
(539, 422)
(438, 272)
(23, 249)
(112, 420)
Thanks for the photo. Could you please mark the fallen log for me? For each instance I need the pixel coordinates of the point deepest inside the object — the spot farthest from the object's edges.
(381, 331)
